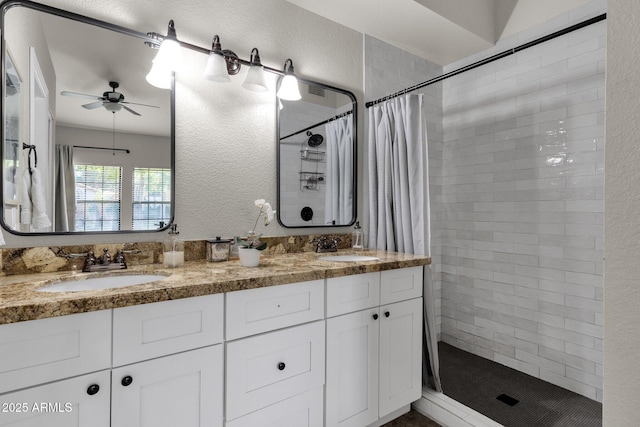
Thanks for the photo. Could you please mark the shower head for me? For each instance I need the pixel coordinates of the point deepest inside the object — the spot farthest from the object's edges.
(315, 139)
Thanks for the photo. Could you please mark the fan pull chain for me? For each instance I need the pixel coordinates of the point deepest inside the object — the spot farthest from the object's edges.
(114, 134)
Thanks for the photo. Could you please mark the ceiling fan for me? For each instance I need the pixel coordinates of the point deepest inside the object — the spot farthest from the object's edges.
(112, 101)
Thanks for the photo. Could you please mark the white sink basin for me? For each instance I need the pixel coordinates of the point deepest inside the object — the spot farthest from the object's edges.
(348, 258)
(95, 283)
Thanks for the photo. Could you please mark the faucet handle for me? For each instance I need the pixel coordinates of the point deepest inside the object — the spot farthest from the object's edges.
(106, 256)
(119, 258)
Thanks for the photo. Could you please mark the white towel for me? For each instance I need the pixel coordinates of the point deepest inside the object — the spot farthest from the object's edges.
(34, 204)
(25, 209)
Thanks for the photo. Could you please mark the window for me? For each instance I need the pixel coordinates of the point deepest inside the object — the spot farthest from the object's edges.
(151, 197)
(98, 194)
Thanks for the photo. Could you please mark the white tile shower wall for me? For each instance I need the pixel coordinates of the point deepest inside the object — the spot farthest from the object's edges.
(522, 200)
(388, 70)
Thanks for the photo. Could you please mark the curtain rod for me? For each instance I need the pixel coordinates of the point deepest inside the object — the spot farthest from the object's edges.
(492, 58)
(103, 148)
(318, 124)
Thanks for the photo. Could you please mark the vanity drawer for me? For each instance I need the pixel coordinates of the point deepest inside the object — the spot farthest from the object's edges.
(40, 351)
(260, 310)
(352, 293)
(151, 330)
(400, 285)
(302, 410)
(269, 368)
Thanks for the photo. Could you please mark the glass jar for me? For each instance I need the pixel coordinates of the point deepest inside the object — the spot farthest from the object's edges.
(218, 249)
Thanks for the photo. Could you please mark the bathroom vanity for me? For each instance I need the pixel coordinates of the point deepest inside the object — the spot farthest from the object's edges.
(296, 342)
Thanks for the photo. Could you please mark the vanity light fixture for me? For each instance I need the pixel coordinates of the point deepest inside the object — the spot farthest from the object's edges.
(216, 68)
(289, 90)
(169, 60)
(255, 80)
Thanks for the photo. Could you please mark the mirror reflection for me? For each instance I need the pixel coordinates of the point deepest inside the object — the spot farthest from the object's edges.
(88, 143)
(317, 157)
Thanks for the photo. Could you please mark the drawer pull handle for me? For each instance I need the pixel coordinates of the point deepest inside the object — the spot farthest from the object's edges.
(93, 389)
(375, 316)
(281, 366)
(126, 381)
(386, 314)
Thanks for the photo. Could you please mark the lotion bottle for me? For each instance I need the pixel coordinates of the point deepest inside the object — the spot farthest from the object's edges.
(357, 237)
(173, 248)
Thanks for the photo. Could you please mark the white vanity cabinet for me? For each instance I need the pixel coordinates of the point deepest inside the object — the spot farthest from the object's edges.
(373, 355)
(167, 367)
(342, 351)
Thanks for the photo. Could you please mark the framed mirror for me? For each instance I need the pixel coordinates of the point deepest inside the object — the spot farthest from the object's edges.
(317, 159)
(94, 142)
(11, 130)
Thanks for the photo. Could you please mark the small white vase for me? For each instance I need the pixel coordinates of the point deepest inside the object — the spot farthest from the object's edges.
(249, 257)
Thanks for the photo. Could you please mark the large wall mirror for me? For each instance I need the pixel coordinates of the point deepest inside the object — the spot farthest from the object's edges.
(88, 144)
(317, 157)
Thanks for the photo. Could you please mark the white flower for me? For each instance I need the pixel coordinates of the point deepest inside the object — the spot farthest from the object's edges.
(260, 203)
(269, 213)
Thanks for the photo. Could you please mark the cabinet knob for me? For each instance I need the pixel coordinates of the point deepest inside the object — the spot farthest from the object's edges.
(126, 381)
(93, 389)
(281, 366)
(386, 314)
(375, 316)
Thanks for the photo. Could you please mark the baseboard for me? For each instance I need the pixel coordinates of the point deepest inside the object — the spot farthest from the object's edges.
(450, 413)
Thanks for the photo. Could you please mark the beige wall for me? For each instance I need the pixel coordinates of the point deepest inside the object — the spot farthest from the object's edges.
(225, 135)
(622, 211)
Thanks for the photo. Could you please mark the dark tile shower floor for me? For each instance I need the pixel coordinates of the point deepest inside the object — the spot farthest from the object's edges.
(476, 382)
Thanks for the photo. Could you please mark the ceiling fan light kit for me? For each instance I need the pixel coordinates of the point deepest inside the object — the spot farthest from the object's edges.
(112, 101)
(168, 60)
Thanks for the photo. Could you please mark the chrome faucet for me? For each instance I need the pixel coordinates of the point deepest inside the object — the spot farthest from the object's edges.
(102, 263)
(324, 244)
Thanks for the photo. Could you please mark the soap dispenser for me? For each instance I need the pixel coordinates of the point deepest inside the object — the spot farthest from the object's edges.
(357, 237)
(173, 248)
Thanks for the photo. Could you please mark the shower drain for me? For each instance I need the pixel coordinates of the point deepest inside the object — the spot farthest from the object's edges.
(507, 399)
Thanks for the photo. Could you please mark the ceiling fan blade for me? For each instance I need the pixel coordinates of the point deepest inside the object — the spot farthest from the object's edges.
(79, 95)
(135, 103)
(93, 105)
(130, 110)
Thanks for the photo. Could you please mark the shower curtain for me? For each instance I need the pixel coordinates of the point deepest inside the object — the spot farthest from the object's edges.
(65, 189)
(339, 163)
(399, 199)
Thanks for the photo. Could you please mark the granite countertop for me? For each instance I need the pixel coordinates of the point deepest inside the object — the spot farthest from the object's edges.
(20, 300)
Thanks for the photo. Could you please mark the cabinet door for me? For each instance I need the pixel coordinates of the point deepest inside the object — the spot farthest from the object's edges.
(77, 402)
(352, 369)
(181, 390)
(400, 354)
